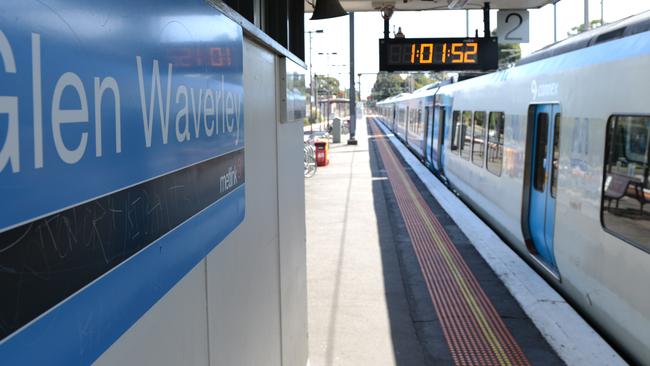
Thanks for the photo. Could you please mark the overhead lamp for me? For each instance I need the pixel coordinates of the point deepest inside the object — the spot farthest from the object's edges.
(326, 9)
(456, 4)
(387, 11)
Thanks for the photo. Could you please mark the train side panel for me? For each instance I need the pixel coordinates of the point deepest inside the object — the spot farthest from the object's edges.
(598, 270)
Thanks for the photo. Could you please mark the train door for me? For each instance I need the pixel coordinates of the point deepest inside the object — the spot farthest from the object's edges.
(430, 140)
(543, 178)
(441, 116)
(427, 123)
(438, 137)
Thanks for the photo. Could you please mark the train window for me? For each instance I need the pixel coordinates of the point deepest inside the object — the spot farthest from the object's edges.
(495, 142)
(540, 152)
(465, 138)
(555, 164)
(626, 187)
(455, 125)
(478, 138)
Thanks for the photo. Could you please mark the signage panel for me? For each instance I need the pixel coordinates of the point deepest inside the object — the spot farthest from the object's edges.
(513, 26)
(438, 54)
(121, 164)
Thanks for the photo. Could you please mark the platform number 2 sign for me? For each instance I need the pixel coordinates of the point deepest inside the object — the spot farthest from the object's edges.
(512, 26)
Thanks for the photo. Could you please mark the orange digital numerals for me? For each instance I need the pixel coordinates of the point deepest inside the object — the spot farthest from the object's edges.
(471, 49)
(423, 48)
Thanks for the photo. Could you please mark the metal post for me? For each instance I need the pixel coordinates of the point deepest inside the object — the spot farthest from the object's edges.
(586, 24)
(312, 99)
(311, 86)
(353, 92)
(602, 13)
(360, 97)
(486, 19)
(316, 96)
(386, 27)
(554, 22)
(467, 23)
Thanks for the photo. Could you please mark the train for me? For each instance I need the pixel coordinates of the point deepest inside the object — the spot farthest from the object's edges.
(554, 154)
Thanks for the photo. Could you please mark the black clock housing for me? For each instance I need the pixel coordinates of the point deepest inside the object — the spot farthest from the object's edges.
(438, 54)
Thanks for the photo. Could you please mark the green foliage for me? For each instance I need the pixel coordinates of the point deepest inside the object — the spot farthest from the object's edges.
(415, 81)
(391, 84)
(387, 85)
(327, 85)
(509, 54)
(581, 28)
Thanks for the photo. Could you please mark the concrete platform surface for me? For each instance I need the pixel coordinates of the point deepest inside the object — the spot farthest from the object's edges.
(358, 313)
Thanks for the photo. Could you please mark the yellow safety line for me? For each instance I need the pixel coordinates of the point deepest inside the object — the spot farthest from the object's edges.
(468, 295)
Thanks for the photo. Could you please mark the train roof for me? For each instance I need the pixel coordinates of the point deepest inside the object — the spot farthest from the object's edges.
(427, 90)
(622, 28)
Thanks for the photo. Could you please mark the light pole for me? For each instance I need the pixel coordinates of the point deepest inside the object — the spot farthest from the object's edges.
(327, 74)
(586, 24)
(311, 83)
(353, 93)
(554, 22)
(361, 74)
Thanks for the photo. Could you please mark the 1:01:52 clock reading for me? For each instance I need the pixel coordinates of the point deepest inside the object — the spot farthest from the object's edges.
(416, 53)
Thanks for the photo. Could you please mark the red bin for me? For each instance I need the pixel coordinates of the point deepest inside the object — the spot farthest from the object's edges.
(322, 153)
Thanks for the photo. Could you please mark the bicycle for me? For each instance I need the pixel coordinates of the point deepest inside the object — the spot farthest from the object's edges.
(309, 160)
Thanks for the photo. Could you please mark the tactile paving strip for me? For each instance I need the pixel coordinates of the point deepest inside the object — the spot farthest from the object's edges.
(474, 331)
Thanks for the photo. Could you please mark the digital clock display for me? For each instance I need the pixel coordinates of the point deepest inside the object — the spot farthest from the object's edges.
(438, 54)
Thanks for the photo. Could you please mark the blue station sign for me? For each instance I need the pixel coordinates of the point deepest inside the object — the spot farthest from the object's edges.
(121, 164)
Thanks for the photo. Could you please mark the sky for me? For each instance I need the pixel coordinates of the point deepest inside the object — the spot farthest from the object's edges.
(330, 49)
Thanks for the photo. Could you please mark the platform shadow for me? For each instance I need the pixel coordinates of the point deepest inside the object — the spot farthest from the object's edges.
(415, 332)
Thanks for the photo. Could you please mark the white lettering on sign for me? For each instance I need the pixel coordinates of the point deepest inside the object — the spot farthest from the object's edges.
(214, 111)
(182, 114)
(228, 180)
(208, 115)
(147, 119)
(100, 88)
(37, 100)
(65, 116)
(9, 152)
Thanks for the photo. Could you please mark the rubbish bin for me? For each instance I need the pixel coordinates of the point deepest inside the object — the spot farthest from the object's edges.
(322, 153)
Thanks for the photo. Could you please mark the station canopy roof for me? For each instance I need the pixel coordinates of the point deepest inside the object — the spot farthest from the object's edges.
(373, 5)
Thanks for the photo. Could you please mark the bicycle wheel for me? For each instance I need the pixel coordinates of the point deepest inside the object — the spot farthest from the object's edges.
(309, 161)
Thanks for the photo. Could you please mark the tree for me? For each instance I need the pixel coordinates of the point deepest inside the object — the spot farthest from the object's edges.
(509, 54)
(387, 85)
(327, 85)
(581, 28)
(415, 81)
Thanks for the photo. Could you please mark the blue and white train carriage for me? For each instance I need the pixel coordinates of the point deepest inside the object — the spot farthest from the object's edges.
(554, 154)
